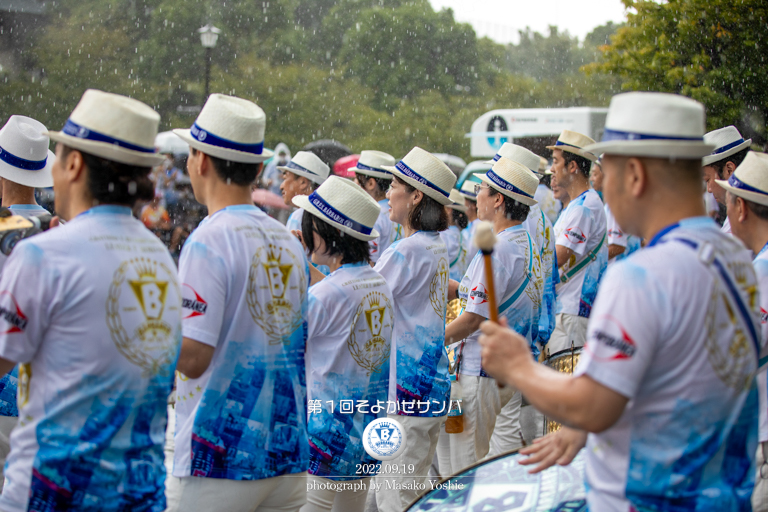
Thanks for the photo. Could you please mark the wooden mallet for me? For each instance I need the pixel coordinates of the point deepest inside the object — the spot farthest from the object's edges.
(484, 240)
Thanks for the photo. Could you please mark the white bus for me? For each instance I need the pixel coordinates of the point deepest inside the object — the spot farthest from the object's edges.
(532, 128)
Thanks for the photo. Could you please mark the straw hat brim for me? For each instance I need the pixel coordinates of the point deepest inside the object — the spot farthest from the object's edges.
(467, 196)
(225, 154)
(374, 174)
(458, 207)
(107, 150)
(303, 202)
(434, 194)
(298, 172)
(583, 152)
(36, 179)
(710, 159)
(755, 197)
(653, 148)
(517, 197)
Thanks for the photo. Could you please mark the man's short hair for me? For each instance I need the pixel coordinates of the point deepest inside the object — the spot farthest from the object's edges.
(111, 182)
(235, 173)
(584, 164)
(428, 215)
(513, 209)
(736, 158)
(758, 209)
(382, 183)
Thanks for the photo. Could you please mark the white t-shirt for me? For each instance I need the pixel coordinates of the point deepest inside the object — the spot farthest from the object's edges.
(518, 282)
(386, 229)
(92, 312)
(469, 233)
(9, 381)
(294, 221)
(454, 241)
(726, 226)
(244, 282)
(616, 236)
(761, 269)
(416, 270)
(581, 227)
(545, 199)
(350, 322)
(540, 228)
(662, 335)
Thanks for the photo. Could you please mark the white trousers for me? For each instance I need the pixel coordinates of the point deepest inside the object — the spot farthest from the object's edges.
(421, 443)
(286, 493)
(7, 424)
(760, 493)
(323, 496)
(480, 406)
(569, 329)
(507, 434)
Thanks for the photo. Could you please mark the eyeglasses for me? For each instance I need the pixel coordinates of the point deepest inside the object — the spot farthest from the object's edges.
(480, 186)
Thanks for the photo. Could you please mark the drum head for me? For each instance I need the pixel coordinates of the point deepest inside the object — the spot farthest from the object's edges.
(501, 484)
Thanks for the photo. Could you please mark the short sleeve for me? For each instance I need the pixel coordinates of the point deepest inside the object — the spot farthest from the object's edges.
(396, 271)
(318, 319)
(27, 289)
(203, 277)
(577, 224)
(623, 329)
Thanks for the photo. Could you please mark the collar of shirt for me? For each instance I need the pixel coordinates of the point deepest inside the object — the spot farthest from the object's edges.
(762, 250)
(107, 209)
(233, 208)
(510, 229)
(692, 222)
(27, 207)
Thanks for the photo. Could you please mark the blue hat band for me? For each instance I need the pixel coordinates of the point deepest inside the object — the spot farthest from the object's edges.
(297, 167)
(728, 146)
(737, 183)
(611, 135)
(335, 215)
(81, 132)
(22, 163)
(407, 171)
(506, 185)
(363, 167)
(207, 137)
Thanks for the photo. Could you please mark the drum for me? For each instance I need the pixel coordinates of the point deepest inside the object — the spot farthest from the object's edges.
(564, 361)
(452, 311)
(502, 484)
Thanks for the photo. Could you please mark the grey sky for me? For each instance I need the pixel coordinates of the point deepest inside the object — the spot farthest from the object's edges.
(501, 19)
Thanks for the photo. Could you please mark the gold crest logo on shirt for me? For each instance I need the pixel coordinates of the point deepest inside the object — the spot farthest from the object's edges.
(374, 351)
(141, 292)
(25, 375)
(278, 317)
(438, 288)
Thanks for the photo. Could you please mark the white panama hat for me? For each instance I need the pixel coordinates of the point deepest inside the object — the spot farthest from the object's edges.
(344, 205)
(114, 127)
(468, 189)
(513, 180)
(24, 155)
(574, 142)
(655, 125)
(372, 163)
(727, 141)
(427, 173)
(229, 128)
(308, 165)
(518, 154)
(750, 179)
(543, 164)
(457, 201)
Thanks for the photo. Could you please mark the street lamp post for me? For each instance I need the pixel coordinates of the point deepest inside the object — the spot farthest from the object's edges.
(208, 36)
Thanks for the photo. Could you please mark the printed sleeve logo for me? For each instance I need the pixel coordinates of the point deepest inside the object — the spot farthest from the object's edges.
(575, 235)
(369, 341)
(269, 278)
(195, 303)
(615, 233)
(438, 288)
(11, 314)
(613, 336)
(763, 316)
(478, 295)
(142, 295)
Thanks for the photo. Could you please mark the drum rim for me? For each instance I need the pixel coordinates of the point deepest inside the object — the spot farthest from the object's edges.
(476, 464)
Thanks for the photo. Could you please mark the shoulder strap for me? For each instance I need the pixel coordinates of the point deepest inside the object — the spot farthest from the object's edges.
(710, 260)
(589, 258)
(512, 298)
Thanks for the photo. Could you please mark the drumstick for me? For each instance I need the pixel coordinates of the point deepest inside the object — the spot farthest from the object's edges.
(484, 240)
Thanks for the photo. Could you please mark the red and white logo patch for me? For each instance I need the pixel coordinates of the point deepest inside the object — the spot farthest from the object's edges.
(478, 295)
(612, 341)
(575, 235)
(12, 319)
(192, 302)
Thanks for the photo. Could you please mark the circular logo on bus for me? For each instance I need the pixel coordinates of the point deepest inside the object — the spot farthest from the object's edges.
(384, 439)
